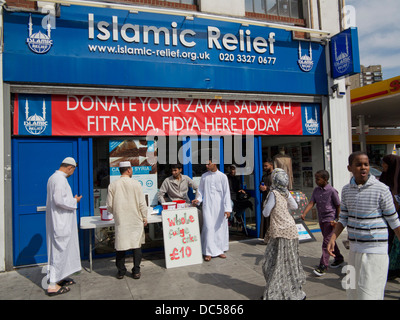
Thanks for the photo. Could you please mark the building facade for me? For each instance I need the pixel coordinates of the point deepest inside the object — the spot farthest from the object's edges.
(159, 82)
(367, 76)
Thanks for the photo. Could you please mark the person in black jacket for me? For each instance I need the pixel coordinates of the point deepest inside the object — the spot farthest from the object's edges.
(239, 197)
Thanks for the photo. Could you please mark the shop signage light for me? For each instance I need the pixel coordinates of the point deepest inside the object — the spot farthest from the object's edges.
(345, 53)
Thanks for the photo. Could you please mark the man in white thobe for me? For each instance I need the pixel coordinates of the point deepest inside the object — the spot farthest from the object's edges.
(61, 229)
(126, 201)
(215, 194)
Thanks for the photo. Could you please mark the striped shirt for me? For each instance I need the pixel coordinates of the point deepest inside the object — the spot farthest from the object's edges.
(366, 211)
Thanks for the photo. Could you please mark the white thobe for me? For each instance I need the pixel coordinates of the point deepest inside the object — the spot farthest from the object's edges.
(61, 229)
(215, 194)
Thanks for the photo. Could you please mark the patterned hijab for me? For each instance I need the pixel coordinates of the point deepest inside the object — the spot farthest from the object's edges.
(280, 181)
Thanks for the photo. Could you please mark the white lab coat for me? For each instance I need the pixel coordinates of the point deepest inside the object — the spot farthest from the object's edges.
(215, 194)
(61, 229)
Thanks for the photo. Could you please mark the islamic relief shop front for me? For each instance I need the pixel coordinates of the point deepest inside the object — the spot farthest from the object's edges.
(108, 85)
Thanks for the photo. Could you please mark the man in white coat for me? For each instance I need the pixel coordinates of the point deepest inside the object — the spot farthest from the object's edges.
(62, 230)
(126, 201)
(215, 194)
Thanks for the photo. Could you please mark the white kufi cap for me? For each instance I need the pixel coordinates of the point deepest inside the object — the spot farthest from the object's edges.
(125, 164)
(70, 161)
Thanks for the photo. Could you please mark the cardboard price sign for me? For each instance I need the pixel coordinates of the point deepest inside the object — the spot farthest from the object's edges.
(182, 241)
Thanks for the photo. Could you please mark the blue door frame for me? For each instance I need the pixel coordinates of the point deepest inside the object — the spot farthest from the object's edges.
(34, 160)
(256, 192)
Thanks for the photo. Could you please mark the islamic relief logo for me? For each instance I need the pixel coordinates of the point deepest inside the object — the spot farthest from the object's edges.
(311, 124)
(305, 62)
(343, 60)
(35, 124)
(39, 42)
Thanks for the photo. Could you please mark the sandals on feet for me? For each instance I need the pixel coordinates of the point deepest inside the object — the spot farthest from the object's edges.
(66, 282)
(207, 258)
(60, 291)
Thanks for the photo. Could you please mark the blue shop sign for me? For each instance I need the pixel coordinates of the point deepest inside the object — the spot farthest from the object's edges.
(107, 47)
(345, 53)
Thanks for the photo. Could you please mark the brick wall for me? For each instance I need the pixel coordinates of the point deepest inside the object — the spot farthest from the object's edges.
(158, 4)
(32, 4)
(276, 19)
(21, 4)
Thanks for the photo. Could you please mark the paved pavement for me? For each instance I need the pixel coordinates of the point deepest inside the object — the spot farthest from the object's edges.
(239, 277)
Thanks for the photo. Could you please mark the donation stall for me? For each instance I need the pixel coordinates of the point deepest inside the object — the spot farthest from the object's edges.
(109, 85)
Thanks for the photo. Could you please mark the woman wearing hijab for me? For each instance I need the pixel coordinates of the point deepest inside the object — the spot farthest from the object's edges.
(391, 177)
(282, 267)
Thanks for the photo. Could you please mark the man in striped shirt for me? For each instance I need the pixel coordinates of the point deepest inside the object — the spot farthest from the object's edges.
(367, 210)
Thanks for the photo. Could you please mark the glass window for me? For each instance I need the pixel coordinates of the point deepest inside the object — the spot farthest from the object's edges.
(295, 8)
(259, 6)
(272, 7)
(283, 8)
(107, 153)
(305, 156)
(249, 6)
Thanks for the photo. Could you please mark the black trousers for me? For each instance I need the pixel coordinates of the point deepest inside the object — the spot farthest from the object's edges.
(120, 261)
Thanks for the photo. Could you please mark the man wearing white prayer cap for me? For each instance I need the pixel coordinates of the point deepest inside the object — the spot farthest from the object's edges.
(125, 164)
(126, 201)
(70, 161)
(61, 229)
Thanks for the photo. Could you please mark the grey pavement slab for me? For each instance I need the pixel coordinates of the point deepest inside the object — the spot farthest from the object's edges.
(238, 277)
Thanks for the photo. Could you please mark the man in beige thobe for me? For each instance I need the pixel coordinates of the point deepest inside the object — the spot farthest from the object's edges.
(126, 201)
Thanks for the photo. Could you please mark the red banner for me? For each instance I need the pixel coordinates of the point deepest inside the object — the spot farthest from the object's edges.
(110, 115)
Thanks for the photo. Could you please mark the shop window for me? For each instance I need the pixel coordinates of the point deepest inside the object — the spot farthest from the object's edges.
(282, 8)
(238, 159)
(143, 155)
(168, 155)
(304, 157)
(203, 149)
